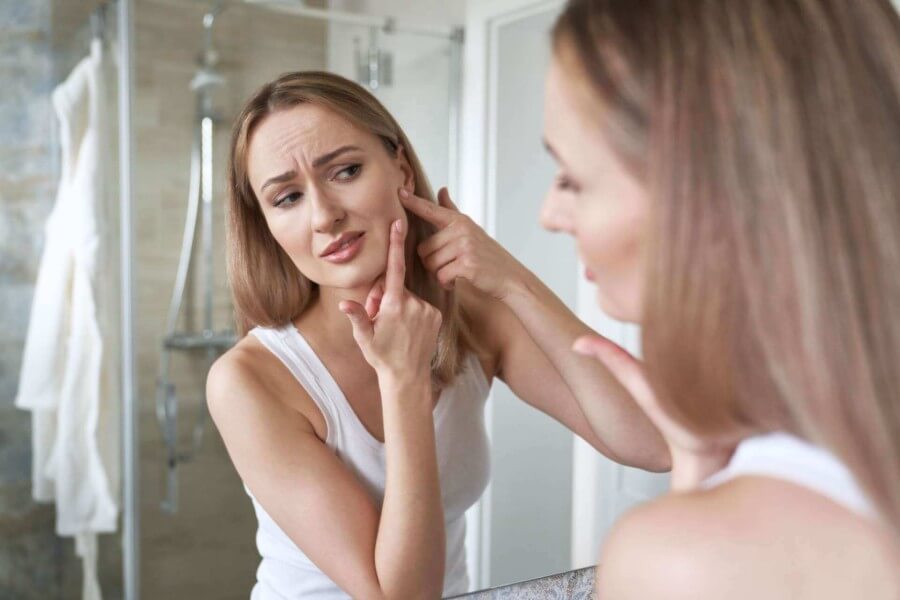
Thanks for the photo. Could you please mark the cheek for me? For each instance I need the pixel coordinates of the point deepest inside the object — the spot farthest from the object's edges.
(292, 233)
(610, 240)
(612, 247)
(376, 200)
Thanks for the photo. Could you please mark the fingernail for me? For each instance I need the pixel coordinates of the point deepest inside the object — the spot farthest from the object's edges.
(397, 225)
(404, 193)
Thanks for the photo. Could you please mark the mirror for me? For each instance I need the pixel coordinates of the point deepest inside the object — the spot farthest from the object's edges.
(464, 80)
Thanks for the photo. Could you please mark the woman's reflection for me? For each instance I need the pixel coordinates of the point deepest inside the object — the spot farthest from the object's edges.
(354, 410)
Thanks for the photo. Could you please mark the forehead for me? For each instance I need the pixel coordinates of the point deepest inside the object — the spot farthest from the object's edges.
(564, 111)
(298, 135)
(575, 127)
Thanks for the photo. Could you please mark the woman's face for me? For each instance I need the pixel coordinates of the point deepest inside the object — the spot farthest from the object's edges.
(329, 193)
(594, 198)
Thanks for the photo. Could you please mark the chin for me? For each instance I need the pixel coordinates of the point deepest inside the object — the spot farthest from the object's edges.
(353, 276)
(616, 308)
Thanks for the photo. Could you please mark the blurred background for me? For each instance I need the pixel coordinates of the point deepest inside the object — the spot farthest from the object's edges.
(464, 79)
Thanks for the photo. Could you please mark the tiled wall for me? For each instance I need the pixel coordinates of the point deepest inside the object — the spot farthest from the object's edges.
(207, 549)
(214, 528)
(34, 563)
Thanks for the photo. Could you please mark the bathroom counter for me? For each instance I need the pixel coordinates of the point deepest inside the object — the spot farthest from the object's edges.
(572, 585)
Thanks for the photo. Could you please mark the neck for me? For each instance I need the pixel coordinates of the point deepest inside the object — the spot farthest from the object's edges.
(323, 315)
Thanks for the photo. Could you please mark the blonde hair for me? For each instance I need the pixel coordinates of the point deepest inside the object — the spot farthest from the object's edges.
(768, 138)
(267, 288)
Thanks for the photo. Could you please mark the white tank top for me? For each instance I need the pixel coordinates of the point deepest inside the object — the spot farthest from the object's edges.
(787, 457)
(285, 572)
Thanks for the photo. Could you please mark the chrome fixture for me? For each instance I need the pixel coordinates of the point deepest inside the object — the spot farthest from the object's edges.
(204, 84)
(374, 67)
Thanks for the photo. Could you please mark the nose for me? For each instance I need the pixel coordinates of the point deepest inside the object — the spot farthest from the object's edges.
(557, 213)
(326, 211)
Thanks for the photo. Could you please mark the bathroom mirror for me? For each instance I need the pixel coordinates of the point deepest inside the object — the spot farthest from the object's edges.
(465, 81)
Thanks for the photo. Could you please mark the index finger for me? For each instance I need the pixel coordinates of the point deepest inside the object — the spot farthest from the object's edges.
(431, 212)
(395, 277)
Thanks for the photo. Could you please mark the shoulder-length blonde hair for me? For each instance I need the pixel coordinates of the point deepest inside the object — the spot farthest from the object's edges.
(267, 288)
(768, 138)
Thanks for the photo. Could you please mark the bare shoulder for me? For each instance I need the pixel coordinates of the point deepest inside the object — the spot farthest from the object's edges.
(238, 369)
(750, 538)
(248, 384)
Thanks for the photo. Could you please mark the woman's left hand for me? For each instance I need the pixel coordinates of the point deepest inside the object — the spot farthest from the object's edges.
(462, 249)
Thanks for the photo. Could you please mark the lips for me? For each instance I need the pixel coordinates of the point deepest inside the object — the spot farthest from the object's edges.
(343, 241)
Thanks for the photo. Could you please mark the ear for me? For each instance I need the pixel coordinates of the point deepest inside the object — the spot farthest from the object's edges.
(409, 176)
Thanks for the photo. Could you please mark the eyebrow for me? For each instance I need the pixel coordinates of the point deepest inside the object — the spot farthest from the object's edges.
(286, 176)
(318, 162)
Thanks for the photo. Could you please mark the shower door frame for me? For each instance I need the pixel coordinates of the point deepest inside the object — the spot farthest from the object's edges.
(130, 471)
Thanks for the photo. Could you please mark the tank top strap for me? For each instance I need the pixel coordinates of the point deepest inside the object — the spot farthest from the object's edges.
(306, 370)
(347, 417)
(787, 457)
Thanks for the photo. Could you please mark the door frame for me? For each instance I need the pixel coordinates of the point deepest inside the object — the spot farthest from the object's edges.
(478, 145)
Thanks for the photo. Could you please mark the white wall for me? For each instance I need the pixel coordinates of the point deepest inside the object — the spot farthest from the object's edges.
(531, 494)
(419, 97)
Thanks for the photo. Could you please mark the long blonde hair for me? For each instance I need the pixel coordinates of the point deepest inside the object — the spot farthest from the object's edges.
(768, 138)
(267, 288)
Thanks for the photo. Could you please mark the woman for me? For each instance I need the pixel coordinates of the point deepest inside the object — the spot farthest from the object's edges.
(731, 176)
(354, 410)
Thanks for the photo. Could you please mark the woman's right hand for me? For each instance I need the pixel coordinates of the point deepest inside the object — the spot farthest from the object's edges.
(461, 249)
(693, 458)
(397, 331)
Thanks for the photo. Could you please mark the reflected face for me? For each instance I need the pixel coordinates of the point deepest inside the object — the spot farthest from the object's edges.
(329, 193)
(594, 198)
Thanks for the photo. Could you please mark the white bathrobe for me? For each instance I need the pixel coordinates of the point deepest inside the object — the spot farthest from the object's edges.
(70, 378)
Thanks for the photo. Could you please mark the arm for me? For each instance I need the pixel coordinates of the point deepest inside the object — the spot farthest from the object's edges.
(308, 491)
(318, 501)
(537, 362)
(411, 543)
(613, 415)
(532, 333)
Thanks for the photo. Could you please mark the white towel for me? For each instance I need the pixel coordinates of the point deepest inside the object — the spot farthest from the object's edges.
(69, 378)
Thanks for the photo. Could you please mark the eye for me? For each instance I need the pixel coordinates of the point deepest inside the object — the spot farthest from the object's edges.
(348, 173)
(287, 200)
